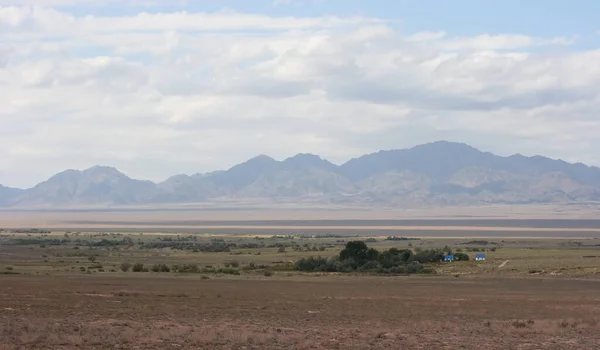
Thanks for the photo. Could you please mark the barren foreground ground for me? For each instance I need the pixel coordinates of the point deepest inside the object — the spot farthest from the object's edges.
(298, 312)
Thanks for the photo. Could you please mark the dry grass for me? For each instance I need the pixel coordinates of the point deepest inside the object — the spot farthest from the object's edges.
(326, 312)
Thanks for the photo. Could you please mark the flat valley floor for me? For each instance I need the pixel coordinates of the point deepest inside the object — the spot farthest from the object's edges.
(297, 312)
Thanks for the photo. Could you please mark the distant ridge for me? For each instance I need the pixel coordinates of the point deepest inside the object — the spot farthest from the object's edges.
(440, 173)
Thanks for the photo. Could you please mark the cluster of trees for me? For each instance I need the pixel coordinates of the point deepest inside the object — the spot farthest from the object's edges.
(178, 239)
(31, 230)
(358, 257)
(481, 249)
(78, 242)
(40, 241)
(214, 247)
(307, 247)
(110, 242)
(185, 268)
(396, 238)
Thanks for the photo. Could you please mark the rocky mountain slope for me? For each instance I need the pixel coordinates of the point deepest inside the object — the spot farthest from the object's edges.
(439, 173)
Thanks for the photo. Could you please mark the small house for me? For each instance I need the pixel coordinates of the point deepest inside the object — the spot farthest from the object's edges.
(449, 258)
(480, 257)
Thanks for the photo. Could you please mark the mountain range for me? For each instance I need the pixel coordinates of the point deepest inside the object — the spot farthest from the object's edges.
(440, 173)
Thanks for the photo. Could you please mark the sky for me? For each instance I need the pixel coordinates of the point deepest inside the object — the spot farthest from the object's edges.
(157, 88)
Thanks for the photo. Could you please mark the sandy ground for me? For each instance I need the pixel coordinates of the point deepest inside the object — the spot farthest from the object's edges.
(327, 312)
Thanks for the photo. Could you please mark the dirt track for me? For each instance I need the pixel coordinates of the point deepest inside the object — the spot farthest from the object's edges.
(297, 313)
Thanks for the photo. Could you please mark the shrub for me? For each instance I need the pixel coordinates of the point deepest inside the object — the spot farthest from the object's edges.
(461, 257)
(268, 273)
(160, 268)
(9, 268)
(229, 271)
(311, 264)
(369, 266)
(187, 268)
(125, 266)
(414, 267)
(138, 267)
(426, 256)
(232, 263)
(519, 324)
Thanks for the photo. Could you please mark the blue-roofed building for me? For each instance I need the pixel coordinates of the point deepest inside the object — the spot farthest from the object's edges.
(449, 258)
(480, 257)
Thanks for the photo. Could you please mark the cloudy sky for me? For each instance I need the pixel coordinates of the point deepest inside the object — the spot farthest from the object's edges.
(156, 87)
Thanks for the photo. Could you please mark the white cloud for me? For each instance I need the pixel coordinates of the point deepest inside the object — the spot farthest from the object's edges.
(158, 94)
(50, 22)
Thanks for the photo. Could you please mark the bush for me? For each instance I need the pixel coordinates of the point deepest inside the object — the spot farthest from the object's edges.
(415, 267)
(229, 271)
(268, 273)
(188, 268)
(138, 267)
(461, 257)
(232, 263)
(369, 266)
(425, 256)
(160, 268)
(125, 266)
(311, 264)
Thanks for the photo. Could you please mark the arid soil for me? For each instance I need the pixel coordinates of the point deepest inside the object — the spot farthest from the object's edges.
(298, 312)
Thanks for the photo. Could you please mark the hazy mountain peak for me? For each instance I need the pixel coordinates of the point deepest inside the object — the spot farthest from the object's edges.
(263, 158)
(103, 170)
(304, 158)
(304, 161)
(440, 172)
(445, 147)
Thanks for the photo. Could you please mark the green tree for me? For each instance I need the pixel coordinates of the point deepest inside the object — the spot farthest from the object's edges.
(355, 250)
(461, 257)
